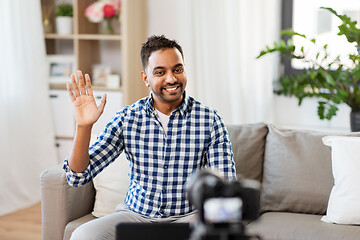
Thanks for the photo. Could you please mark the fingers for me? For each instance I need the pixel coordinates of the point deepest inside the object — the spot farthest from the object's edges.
(81, 83)
(75, 86)
(102, 103)
(83, 87)
(88, 85)
(71, 94)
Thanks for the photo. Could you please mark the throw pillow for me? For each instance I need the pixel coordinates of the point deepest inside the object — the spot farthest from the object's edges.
(248, 145)
(297, 172)
(111, 186)
(344, 207)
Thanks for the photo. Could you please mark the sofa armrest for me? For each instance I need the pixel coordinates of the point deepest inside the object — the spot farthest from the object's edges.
(62, 203)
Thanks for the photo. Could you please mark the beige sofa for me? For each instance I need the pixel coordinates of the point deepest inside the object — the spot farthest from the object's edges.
(294, 167)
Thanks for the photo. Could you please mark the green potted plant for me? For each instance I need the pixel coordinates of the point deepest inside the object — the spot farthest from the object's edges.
(64, 16)
(326, 79)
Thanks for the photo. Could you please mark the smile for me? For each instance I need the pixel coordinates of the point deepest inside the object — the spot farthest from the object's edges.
(171, 89)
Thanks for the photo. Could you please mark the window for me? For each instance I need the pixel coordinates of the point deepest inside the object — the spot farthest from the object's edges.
(306, 17)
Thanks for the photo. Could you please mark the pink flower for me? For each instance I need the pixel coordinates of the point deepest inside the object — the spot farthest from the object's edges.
(117, 5)
(93, 14)
(99, 10)
(108, 11)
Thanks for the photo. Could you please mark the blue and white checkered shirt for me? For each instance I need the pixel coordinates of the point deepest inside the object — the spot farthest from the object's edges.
(160, 164)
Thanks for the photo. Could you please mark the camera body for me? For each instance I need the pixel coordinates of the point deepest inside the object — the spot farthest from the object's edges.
(222, 205)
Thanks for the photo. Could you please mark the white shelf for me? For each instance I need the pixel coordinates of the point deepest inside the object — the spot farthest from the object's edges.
(114, 37)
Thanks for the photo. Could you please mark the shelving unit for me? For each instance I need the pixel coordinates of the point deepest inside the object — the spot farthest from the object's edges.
(120, 51)
(88, 50)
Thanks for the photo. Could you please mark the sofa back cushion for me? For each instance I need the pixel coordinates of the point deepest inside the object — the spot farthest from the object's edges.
(297, 175)
(248, 145)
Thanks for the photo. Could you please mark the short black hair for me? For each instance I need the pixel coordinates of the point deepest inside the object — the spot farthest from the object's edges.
(155, 43)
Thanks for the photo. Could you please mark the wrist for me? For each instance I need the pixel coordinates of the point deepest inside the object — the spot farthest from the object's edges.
(83, 130)
(84, 126)
(83, 133)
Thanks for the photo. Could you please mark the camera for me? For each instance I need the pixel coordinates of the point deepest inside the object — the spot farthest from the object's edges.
(223, 206)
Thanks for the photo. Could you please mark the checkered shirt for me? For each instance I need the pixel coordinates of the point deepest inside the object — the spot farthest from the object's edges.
(160, 164)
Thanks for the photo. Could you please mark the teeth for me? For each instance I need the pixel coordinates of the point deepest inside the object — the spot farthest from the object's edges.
(171, 89)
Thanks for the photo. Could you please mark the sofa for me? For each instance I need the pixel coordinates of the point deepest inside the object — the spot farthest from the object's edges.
(293, 166)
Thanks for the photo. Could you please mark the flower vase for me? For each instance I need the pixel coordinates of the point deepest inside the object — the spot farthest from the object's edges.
(106, 26)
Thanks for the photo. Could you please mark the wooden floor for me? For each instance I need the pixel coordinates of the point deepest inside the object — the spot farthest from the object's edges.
(22, 225)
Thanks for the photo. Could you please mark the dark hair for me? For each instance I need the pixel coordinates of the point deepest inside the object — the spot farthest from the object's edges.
(155, 43)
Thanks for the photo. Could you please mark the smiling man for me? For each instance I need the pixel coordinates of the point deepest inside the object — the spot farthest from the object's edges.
(166, 137)
(165, 75)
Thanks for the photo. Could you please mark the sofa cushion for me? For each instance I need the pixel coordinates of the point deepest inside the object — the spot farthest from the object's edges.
(248, 145)
(297, 171)
(296, 226)
(344, 207)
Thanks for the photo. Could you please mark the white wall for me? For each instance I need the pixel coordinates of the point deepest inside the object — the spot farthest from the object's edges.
(289, 114)
(167, 17)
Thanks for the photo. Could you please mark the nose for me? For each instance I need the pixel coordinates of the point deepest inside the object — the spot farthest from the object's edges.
(170, 78)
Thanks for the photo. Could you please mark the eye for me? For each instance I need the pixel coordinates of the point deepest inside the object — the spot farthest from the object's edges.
(159, 73)
(179, 70)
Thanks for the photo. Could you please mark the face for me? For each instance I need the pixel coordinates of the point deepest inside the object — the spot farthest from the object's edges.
(166, 78)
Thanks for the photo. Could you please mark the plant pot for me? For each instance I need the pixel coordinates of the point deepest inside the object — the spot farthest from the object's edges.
(64, 25)
(355, 121)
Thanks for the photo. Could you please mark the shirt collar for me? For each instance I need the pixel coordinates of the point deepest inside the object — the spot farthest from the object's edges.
(181, 109)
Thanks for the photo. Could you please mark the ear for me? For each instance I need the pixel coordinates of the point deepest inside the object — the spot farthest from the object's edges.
(144, 77)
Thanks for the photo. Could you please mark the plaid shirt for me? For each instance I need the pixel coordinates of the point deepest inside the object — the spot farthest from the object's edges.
(160, 164)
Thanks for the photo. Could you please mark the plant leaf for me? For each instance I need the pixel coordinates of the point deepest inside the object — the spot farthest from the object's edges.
(289, 32)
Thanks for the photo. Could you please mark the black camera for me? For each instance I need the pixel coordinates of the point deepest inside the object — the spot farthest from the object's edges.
(222, 206)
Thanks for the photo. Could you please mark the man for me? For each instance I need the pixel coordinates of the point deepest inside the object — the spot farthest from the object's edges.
(166, 137)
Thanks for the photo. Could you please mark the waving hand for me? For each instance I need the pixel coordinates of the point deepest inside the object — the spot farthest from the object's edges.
(85, 108)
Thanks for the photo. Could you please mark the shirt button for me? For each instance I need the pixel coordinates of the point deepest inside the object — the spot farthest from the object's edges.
(164, 143)
(161, 211)
(165, 166)
(164, 190)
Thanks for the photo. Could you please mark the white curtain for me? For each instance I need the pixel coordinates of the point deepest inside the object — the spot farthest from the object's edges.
(222, 39)
(26, 132)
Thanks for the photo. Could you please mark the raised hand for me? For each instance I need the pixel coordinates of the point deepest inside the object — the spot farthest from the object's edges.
(85, 108)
